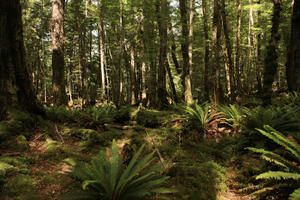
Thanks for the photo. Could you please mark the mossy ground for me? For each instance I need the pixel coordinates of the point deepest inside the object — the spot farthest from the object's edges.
(36, 166)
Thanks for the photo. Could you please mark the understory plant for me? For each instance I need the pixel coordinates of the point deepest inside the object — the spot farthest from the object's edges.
(203, 118)
(107, 178)
(289, 161)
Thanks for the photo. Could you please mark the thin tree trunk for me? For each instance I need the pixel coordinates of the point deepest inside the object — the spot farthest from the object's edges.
(206, 56)
(238, 73)
(173, 48)
(143, 57)
(121, 49)
(101, 46)
(257, 49)
(216, 35)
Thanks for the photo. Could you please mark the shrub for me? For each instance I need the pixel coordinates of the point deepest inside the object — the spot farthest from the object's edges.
(107, 179)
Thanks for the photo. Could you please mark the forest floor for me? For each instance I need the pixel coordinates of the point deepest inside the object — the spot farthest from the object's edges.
(201, 169)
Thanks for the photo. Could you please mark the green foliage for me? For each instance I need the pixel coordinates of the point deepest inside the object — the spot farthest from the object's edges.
(199, 180)
(234, 115)
(289, 162)
(98, 115)
(122, 115)
(21, 187)
(202, 118)
(16, 123)
(280, 118)
(107, 179)
(147, 118)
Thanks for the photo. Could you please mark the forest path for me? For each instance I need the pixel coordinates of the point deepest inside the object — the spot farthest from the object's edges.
(233, 188)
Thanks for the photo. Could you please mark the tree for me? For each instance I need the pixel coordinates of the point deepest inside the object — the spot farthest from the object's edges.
(15, 83)
(216, 35)
(57, 35)
(186, 49)
(162, 12)
(293, 56)
(271, 64)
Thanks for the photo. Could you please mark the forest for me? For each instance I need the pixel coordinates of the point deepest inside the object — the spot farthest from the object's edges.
(150, 99)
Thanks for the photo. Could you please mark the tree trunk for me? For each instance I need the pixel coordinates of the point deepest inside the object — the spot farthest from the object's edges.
(121, 49)
(230, 87)
(206, 56)
(101, 46)
(216, 47)
(143, 57)
(238, 48)
(271, 64)
(257, 46)
(173, 48)
(15, 84)
(163, 61)
(293, 56)
(185, 45)
(57, 35)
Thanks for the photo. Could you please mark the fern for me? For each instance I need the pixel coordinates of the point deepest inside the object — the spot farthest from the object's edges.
(278, 175)
(107, 179)
(203, 117)
(295, 195)
(291, 166)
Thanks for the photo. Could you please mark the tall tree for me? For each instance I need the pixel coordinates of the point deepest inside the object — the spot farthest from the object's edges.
(57, 35)
(293, 56)
(230, 88)
(206, 56)
(216, 35)
(15, 84)
(185, 45)
(238, 68)
(271, 64)
(163, 61)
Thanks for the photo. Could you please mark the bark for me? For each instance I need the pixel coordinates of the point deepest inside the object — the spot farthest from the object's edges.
(133, 82)
(230, 87)
(271, 64)
(206, 56)
(16, 88)
(57, 35)
(216, 47)
(101, 46)
(238, 73)
(186, 47)
(257, 45)
(143, 57)
(173, 50)
(163, 61)
(121, 49)
(293, 56)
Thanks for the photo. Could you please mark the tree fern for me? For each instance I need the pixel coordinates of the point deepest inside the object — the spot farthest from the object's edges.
(108, 180)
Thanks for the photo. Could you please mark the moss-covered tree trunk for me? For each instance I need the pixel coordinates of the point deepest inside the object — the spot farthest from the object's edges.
(271, 56)
(57, 35)
(15, 84)
(293, 58)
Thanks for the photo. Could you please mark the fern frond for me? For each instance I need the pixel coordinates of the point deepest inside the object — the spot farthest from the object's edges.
(278, 175)
(295, 195)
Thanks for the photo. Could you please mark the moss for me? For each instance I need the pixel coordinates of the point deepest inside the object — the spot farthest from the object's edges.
(21, 187)
(147, 118)
(122, 116)
(5, 168)
(22, 143)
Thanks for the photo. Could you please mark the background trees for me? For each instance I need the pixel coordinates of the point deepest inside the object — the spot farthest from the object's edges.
(149, 51)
